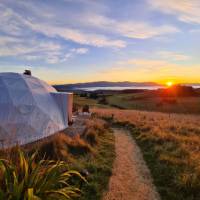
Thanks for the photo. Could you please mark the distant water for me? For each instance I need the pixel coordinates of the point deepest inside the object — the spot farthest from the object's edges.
(127, 88)
(196, 86)
(121, 88)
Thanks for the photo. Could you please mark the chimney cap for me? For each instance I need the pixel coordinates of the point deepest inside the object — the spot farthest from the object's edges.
(27, 72)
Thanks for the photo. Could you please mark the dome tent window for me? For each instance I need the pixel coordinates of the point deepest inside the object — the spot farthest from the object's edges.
(30, 109)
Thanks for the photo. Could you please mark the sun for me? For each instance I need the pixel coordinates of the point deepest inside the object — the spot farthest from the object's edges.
(169, 83)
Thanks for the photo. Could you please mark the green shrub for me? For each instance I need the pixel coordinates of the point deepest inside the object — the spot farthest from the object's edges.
(23, 178)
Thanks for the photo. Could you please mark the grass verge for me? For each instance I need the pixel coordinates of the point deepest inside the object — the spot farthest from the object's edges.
(91, 154)
(99, 168)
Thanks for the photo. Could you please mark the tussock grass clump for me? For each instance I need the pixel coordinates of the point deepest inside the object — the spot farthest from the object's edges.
(90, 136)
(78, 146)
(99, 125)
(94, 128)
(61, 147)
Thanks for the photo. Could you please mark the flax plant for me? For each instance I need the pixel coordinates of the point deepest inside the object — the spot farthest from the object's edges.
(26, 179)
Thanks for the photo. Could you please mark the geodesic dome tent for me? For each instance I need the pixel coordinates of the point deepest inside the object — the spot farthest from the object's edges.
(30, 109)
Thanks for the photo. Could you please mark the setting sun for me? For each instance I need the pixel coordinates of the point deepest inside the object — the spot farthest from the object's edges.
(169, 83)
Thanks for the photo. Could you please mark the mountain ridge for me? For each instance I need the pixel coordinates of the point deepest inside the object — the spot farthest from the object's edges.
(105, 84)
(72, 86)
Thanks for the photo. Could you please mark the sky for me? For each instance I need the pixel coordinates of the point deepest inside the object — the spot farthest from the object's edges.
(68, 41)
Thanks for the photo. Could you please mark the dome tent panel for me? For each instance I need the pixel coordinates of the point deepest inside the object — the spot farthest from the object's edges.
(47, 87)
(25, 98)
(41, 95)
(19, 96)
(41, 120)
(61, 100)
(18, 134)
(47, 105)
(11, 134)
(17, 89)
(5, 96)
(14, 82)
(25, 134)
(28, 110)
(36, 84)
(9, 113)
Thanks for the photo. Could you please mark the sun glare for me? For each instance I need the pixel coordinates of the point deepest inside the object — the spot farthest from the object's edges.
(169, 83)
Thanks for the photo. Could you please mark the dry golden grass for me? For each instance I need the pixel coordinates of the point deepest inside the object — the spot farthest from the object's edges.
(94, 128)
(61, 146)
(175, 138)
(162, 123)
(92, 158)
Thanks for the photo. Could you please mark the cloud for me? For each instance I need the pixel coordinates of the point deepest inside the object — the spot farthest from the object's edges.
(138, 30)
(169, 55)
(83, 30)
(145, 31)
(185, 10)
(80, 50)
(76, 35)
(195, 31)
(33, 50)
(13, 46)
(7, 39)
(57, 57)
(17, 39)
(15, 24)
(73, 52)
(129, 29)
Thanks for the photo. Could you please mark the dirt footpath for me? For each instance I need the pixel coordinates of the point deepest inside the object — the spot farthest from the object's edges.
(131, 179)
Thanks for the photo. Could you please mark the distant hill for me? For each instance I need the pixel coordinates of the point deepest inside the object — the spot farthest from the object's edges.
(66, 87)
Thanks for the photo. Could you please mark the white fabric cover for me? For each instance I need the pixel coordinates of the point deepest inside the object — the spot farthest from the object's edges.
(28, 110)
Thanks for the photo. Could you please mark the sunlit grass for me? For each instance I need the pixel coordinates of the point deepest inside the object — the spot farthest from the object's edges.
(171, 147)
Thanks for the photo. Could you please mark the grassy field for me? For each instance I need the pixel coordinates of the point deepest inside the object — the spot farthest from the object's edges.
(81, 101)
(91, 154)
(171, 147)
(144, 101)
(170, 144)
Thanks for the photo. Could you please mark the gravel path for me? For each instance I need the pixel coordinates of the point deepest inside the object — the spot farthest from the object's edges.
(131, 179)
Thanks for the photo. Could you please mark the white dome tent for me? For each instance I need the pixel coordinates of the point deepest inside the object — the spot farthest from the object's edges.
(30, 109)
